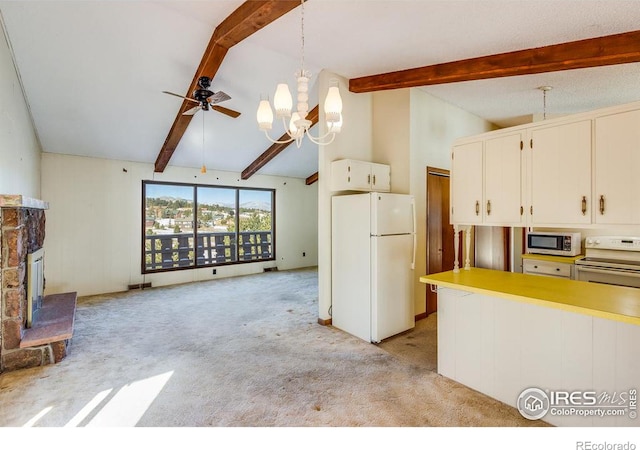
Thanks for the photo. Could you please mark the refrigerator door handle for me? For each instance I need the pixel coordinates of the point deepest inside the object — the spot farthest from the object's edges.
(415, 243)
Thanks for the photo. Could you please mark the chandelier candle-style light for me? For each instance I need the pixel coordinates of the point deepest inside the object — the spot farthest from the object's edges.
(298, 123)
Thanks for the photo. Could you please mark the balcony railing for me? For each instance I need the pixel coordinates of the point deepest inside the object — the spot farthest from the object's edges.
(169, 251)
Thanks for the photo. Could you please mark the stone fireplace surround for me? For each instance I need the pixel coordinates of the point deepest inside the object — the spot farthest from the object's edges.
(22, 231)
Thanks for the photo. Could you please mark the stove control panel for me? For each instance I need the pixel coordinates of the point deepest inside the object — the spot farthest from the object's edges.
(613, 242)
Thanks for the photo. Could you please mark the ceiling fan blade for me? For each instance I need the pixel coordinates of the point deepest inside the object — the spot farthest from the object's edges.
(218, 97)
(191, 112)
(176, 95)
(227, 111)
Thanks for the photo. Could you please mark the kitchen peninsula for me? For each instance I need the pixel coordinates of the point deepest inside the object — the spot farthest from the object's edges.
(501, 333)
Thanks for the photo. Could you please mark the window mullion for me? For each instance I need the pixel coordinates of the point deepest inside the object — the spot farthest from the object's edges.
(237, 225)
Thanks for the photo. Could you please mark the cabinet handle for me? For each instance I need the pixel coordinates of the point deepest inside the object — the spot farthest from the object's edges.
(477, 208)
(368, 179)
(488, 207)
(602, 205)
(374, 180)
(584, 205)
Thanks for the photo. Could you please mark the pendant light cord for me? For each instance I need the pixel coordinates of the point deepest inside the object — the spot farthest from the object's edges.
(202, 114)
(544, 90)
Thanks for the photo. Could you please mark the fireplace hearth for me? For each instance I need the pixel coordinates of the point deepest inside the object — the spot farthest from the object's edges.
(22, 233)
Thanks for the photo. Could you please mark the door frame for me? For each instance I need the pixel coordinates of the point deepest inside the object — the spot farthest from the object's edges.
(435, 172)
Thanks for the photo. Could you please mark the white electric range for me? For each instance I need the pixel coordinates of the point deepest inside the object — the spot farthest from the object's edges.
(610, 260)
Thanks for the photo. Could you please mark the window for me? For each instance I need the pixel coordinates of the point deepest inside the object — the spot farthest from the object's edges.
(188, 226)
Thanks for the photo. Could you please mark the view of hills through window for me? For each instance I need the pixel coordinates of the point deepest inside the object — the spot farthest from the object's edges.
(228, 224)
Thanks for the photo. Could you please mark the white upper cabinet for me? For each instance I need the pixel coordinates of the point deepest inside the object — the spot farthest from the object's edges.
(560, 190)
(503, 180)
(466, 183)
(486, 182)
(617, 160)
(353, 175)
(575, 171)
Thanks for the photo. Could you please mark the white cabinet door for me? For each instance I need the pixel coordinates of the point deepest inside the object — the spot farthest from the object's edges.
(561, 174)
(359, 175)
(617, 159)
(380, 177)
(466, 183)
(502, 180)
(354, 175)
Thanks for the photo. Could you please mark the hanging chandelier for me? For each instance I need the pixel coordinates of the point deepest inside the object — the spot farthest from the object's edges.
(299, 125)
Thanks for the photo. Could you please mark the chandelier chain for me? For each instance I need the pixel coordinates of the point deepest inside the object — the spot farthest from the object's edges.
(302, 36)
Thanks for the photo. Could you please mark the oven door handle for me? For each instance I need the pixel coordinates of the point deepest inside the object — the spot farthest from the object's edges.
(609, 272)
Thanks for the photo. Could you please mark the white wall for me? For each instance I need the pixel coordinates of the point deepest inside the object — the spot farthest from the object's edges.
(354, 141)
(413, 130)
(94, 229)
(435, 124)
(19, 146)
(391, 136)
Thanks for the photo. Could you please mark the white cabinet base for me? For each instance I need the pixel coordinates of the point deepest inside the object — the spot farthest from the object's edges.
(502, 347)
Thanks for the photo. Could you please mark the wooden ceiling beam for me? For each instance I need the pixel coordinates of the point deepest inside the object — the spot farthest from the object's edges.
(275, 149)
(595, 52)
(311, 179)
(248, 18)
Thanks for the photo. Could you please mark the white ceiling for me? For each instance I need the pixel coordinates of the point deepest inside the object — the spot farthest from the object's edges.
(93, 71)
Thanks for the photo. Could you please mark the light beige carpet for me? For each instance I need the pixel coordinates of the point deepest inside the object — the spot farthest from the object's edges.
(239, 352)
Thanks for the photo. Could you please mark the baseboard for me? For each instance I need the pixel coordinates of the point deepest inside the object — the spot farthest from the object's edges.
(421, 316)
(139, 286)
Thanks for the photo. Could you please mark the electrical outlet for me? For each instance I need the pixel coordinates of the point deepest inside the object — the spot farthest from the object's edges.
(304, 253)
(214, 271)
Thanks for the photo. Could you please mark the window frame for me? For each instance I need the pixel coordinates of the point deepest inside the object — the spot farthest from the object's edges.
(195, 187)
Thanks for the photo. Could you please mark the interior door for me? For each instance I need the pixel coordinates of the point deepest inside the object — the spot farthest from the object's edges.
(440, 250)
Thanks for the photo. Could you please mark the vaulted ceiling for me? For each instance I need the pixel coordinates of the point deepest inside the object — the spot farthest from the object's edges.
(94, 71)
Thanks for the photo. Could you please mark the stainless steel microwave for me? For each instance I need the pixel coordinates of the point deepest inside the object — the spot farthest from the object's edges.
(548, 243)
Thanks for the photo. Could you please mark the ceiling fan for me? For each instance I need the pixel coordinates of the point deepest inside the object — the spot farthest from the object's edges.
(205, 98)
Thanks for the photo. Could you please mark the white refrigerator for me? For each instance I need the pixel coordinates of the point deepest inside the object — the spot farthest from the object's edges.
(373, 259)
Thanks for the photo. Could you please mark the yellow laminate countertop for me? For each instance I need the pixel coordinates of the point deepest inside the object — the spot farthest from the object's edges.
(599, 300)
